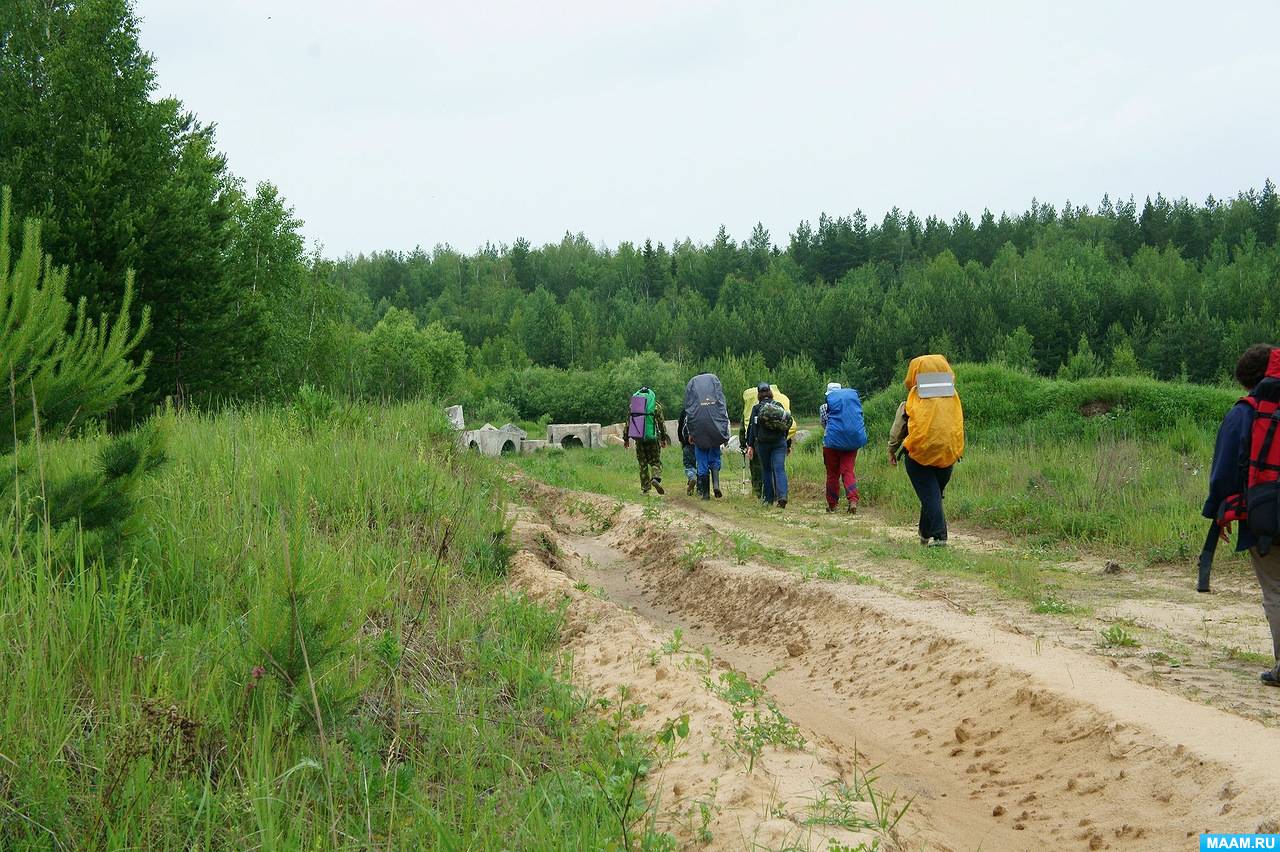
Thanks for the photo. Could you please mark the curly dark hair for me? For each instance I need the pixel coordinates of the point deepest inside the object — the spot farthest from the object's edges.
(1252, 365)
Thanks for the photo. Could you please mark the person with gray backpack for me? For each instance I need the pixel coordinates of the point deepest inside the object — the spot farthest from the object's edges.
(707, 424)
(768, 439)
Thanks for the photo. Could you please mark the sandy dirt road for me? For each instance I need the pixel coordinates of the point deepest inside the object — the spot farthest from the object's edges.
(1000, 736)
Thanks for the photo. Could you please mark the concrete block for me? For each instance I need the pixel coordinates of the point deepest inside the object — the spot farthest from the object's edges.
(456, 420)
(673, 431)
(532, 446)
(490, 442)
(514, 430)
(612, 429)
(574, 435)
(733, 443)
(801, 436)
(612, 441)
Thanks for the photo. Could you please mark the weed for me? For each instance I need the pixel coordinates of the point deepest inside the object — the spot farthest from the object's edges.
(1116, 636)
(694, 554)
(757, 721)
(675, 644)
(744, 547)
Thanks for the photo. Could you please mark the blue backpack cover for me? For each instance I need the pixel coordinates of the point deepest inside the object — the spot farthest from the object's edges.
(845, 427)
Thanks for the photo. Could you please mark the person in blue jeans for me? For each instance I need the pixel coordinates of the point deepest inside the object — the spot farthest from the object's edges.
(771, 447)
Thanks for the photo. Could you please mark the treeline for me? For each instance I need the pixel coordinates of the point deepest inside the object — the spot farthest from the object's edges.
(1174, 290)
(122, 180)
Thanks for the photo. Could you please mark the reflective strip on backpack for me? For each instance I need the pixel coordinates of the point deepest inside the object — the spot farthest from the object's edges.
(933, 385)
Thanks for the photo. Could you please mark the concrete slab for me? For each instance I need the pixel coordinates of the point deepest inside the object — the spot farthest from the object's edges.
(456, 420)
(532, 446)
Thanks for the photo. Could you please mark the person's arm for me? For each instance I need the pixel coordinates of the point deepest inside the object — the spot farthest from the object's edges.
(822, 415)
(897, 433)
(1225, 474)
(660, 424)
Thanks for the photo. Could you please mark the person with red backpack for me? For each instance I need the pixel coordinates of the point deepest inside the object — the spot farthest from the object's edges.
(1244, 481)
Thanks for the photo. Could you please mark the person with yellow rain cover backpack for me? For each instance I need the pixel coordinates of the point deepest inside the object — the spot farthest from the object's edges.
(750, 397)
(929, 430)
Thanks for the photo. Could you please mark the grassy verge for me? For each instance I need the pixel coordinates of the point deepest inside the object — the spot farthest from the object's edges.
(304, 644)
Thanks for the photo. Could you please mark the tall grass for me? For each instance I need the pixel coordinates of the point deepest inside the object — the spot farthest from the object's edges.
(304, 645)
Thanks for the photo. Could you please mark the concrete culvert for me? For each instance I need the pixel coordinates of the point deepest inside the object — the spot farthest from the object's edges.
(571, 442)
(474, 447)
(508, 447)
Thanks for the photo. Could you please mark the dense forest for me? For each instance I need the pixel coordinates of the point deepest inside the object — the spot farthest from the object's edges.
(124, 180)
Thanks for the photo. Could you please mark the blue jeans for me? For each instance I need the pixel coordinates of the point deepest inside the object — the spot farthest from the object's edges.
(930, 483)
(708, 459)
(773, 470)
(690, 459)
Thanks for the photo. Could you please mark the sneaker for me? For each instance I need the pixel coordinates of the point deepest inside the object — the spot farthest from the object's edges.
(782, 504)
(937, 542)
(853, 509)
(924, 541)
(831, 509)
(1271, 677)
(657, 486)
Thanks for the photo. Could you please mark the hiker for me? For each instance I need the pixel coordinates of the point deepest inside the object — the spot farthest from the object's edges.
(843, 433)
(647, 427)
(707, 421)
(770, 430)
(750, 397)
(1243, 481)
(688, 455)
(929, 430)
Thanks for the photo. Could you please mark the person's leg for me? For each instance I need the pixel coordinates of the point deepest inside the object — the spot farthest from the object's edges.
(1267, 568)
(925, 482)
(704, 472)
(766, 474)
(717, 459)
(642, 459)
(831, 461)
(943, 475)
(780, 473)
(654, 451)
(690, 459)
(849, 476)
(757, 477)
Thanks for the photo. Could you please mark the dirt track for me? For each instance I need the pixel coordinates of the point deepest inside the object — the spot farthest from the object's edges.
(1000, 740)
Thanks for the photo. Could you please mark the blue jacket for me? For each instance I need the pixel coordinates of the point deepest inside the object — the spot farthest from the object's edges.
(1230, 459)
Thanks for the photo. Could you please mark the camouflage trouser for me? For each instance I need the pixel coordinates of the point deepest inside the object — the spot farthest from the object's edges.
(757, 476)
(649, 454)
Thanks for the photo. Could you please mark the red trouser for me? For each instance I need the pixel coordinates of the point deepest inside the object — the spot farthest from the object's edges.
(840, 468)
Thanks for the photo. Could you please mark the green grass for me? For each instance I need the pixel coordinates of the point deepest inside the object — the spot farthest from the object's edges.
(306, 644)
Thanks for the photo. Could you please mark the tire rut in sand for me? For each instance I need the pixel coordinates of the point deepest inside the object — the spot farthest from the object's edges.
(1005, 744)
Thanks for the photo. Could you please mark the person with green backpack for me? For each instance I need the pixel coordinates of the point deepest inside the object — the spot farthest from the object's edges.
(769, 439)
(646, 425)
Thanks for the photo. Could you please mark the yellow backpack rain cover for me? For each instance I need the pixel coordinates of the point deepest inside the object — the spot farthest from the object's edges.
(751, 396)
(935, 424)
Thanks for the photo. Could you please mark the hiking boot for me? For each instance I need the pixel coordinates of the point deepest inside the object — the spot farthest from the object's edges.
(1271, 677)
(718, 493)
(782, 504)
(657, 486)
(692, 484)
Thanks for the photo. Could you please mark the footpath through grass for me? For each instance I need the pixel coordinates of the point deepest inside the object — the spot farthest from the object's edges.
(304, 644)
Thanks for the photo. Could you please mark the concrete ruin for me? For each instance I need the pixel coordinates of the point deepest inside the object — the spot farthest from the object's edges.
(491, 441)
(456, 420)
(570, 436)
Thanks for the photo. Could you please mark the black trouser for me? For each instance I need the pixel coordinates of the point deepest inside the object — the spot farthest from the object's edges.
(930, 483)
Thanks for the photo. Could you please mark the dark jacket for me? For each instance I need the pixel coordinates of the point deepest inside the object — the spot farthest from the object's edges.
(1227, 476)
(682, 430)
(757, 435)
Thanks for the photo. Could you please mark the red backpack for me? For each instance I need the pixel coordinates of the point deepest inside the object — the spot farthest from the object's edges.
(1259, 506)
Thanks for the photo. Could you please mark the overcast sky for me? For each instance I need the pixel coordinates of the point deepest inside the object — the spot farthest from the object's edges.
(394, 124)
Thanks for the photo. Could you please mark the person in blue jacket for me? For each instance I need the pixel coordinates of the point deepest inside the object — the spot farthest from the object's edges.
(1227, 477)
